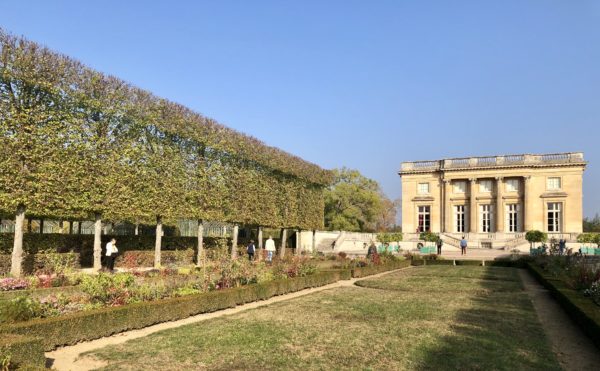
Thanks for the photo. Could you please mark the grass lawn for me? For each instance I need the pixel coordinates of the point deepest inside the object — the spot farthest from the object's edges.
(435, 317)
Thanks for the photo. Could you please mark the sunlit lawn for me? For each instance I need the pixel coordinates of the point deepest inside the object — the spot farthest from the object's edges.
(422, 318)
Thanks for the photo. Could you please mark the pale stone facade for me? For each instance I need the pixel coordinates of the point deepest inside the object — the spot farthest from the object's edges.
(494, 200)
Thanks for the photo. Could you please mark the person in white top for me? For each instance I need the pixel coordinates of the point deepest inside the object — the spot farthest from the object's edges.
(270, 247)
(111, 254)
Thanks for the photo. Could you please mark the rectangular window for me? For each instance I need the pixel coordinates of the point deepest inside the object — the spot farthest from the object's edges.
(485, 186)
(554, 216)
(460, 187)
(512, 211)
(485, 215)
(459, 215)
(553, 183)
(512, 185)
(424, 217)
(423, 188)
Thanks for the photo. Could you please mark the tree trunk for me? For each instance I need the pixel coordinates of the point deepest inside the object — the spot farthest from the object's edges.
(260, 240)
(200, 243)
(158, 242)
(137, 229)
(79, 227)
(41, 226)
(97, 242)
(283, 242)
(29, 227)
(298, 242)
(71, 227)
(234, 241)
(17, 253)
(314, 241)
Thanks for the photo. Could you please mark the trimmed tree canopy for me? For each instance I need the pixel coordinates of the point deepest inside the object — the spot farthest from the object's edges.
(74, 142)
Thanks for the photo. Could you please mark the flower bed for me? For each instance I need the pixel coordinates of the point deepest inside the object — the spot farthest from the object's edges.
(581, 309)
(94, 324)
(102, 290)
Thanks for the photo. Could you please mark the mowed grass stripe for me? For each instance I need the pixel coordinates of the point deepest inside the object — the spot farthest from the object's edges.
(353, 328)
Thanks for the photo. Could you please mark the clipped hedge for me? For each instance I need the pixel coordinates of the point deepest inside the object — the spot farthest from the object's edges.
(35, 262)
(582, 310)
(34, 243)
(23, 351)
(167, 258)
(375, 269)
(95, 324)
(476, 263)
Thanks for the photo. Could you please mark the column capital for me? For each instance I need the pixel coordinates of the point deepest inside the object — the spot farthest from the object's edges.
(472, 180)
(499, 178)
(527, 178)
(447, 181)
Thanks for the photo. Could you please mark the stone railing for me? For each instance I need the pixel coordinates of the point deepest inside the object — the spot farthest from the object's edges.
(493, 161)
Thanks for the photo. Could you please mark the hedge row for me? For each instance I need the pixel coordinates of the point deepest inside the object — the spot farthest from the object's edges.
(582, 310)
(36, 262)
(23, 351)
(95, 324)
(375, 269)
(34, 243)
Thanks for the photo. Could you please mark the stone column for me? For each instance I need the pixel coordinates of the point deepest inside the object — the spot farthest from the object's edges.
(447, 206)
(473, 207)
(499, 206)
(526, 190)
(442, 207)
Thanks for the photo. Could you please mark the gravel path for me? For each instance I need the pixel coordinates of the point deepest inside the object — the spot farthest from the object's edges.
(574, 350)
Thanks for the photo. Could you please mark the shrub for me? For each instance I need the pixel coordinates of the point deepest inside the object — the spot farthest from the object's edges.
(21, 352)
(594, 292)
(536, 236)
(429, 236)
(107, 288)
(21, 308)
(389, 237)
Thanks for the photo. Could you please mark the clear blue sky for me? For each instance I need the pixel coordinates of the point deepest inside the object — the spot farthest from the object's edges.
(362, 84)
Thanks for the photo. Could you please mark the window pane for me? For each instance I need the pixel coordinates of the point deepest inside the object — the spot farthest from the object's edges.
(485, 186)
(554, 183)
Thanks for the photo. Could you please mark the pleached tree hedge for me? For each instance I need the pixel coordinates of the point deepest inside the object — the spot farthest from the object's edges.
(77, 144)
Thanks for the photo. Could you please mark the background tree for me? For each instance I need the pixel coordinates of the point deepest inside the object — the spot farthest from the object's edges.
(591, 224)
(356, 203)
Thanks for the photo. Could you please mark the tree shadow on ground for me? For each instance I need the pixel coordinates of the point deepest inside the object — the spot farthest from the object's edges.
(499, 331)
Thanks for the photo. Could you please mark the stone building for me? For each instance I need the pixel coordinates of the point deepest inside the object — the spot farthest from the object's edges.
(493, 201)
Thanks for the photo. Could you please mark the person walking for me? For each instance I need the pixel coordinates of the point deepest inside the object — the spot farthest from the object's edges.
(251, 249)
(111, 254)
(439, 244)
(372, 251)
(270, 248)
(562, 245)
(463, 246)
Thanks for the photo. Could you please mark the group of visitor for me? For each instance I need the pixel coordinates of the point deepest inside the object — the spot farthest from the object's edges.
(269, 248)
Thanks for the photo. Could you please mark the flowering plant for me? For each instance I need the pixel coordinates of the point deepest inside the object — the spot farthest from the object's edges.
(9, 284)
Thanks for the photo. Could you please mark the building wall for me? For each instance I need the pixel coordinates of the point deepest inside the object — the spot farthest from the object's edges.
(533, 213)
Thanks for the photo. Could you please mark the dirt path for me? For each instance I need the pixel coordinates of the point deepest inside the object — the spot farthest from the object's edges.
(574, 350)
(67, 358)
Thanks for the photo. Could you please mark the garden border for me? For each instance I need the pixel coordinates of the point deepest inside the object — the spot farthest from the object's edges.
(579, 308)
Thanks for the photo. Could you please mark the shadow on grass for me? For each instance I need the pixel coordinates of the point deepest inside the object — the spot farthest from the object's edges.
(498, 331)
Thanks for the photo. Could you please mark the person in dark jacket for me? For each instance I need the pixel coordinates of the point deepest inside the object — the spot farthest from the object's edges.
(372, 251)
(251, 249)
(439, 244)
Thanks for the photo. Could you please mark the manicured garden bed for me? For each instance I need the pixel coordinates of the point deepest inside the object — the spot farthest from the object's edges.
(466, 326)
